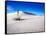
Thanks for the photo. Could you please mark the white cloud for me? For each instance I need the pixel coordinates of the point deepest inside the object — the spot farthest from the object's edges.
(10, 9)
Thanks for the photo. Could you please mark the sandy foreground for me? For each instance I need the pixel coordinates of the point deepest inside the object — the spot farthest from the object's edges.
(31, 23)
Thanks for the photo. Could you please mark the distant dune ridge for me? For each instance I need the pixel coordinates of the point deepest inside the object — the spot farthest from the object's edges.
(29, 13)
(32, 23)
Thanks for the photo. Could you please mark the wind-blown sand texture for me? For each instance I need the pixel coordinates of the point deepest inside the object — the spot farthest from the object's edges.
(31, 23)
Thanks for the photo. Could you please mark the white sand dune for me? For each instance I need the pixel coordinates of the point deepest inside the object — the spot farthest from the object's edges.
(31, 23)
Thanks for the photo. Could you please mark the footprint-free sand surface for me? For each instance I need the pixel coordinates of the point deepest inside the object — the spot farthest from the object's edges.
(31, 23)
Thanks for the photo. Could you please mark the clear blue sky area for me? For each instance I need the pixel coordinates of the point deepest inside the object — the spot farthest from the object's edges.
(32, 7)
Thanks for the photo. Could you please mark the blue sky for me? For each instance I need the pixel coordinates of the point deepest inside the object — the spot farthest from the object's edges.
(32, 7)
